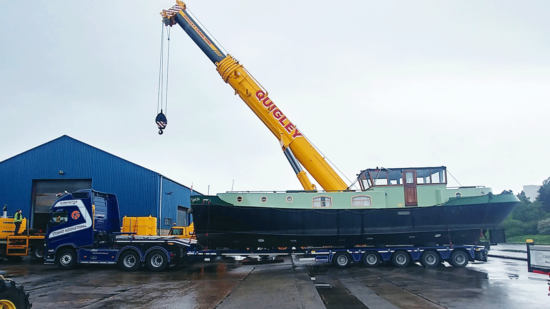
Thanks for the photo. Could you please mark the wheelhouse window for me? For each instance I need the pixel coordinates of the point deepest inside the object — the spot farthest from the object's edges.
(361, 201)
(409, 177)
(322, 201)
(400, 176)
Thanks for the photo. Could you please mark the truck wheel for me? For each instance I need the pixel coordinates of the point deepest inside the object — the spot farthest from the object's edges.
(66, 258)
(341, 259)
(458, 258)
(429, 259)
(371, 259)
(157, 261)
(400, 258)
(129, 261)
(12, 296)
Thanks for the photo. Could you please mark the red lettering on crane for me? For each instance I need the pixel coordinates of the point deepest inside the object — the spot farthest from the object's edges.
(267, 102)
(289, 127)
(277, 113)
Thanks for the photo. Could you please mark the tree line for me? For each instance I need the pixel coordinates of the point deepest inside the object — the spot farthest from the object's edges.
(530, 217)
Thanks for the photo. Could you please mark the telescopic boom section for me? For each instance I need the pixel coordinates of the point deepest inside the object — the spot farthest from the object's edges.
(295, 146)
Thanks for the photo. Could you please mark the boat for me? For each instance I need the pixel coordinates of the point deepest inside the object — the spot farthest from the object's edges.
(394, 207)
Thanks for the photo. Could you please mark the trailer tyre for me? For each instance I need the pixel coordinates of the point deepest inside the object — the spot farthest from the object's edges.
(430, 258)
(342, 259)
(459, 258)
(157, 260)
(66, 258)
(13, 296)
(37, 254)
(129, 261)
(400, 258)
(371, 259)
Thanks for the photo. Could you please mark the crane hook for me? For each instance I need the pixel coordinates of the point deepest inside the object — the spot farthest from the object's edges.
(161, 122)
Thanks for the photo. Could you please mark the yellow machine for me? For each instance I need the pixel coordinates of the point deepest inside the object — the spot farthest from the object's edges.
(15, 247)
(183, 231)
(298, 150)
(145, 226)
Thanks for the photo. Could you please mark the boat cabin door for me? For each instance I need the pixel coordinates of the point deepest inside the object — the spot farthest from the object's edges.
(410, 188)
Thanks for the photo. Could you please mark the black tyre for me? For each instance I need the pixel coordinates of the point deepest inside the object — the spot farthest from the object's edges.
(129, 261)
(341, 259)
(430, 258)
(13, 296)
(66, 258)
(400, 258)
(157, 260)
(459, 258)
(37, 254)
(371, 259)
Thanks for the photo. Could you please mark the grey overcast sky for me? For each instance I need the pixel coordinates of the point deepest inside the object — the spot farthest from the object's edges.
(465, 84)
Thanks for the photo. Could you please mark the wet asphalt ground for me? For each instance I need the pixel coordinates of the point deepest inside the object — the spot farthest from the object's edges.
(499, 283)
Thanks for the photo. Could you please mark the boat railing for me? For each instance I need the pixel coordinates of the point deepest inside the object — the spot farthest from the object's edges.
(290, 191)
(467, 187)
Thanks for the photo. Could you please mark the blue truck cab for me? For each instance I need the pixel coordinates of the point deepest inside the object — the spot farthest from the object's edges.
(84, 228)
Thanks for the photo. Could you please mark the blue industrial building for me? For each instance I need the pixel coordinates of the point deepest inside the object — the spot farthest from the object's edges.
(30, 181)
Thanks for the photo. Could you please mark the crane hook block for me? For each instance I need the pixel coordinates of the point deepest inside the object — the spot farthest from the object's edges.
(161, 122)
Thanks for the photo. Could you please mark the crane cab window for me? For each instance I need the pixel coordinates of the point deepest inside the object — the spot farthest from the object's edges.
(176, 231)
(322, 201)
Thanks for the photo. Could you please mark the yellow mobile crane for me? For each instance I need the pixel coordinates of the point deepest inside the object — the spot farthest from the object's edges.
(298, 150)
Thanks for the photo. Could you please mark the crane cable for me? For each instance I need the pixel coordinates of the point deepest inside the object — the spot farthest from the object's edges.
(162, 95)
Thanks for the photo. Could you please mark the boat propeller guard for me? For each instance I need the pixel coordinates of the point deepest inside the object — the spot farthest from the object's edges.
(161, 122)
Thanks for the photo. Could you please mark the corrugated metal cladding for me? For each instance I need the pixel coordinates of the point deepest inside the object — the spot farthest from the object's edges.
(138, 189)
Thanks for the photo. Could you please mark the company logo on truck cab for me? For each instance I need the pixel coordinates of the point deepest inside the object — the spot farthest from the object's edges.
(277, 113)
(74, 215)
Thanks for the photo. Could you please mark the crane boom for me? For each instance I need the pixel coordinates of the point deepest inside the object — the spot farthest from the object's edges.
(298, 150)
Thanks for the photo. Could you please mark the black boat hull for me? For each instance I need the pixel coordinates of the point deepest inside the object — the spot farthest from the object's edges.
(226, 226)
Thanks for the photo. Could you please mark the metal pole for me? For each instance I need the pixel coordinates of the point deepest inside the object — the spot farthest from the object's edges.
(160, 206)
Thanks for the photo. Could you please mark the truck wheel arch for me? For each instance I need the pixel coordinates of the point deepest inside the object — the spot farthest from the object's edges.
(139, 252)
(157, 248)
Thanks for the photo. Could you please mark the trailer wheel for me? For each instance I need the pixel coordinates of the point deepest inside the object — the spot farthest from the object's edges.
(400, 258)
(429, 259)
(129, 261)
(13, 296)
(157, 261)
(66, 258)
(37, 254)
(371, 259)
(458, 258)
(341, 259)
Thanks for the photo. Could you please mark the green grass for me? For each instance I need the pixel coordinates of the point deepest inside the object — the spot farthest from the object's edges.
(539, 239)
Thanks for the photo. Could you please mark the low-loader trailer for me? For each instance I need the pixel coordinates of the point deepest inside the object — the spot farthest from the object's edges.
(84, 228)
